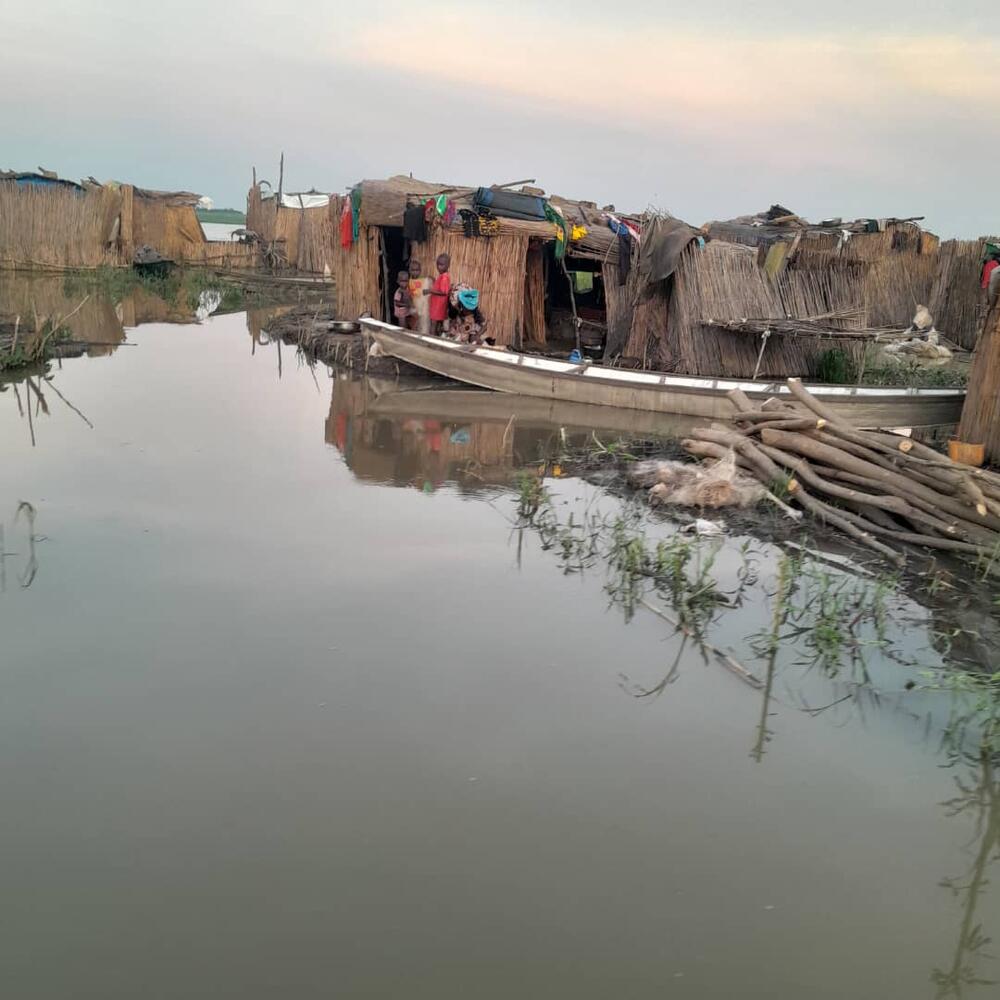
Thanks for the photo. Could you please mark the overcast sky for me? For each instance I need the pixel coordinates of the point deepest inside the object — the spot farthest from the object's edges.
(706, 108)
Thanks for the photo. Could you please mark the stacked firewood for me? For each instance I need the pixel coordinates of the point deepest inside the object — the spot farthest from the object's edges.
(884, 490)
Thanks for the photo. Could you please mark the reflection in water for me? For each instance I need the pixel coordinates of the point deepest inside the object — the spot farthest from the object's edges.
(424, 434)
(416, 726)
(25, 515)
(978, 799)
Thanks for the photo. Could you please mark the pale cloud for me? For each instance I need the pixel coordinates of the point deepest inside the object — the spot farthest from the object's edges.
(709, 109)
(648, 76)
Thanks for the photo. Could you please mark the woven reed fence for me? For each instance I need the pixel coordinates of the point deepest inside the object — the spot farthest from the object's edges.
(981, 414)
(534, 295)
(59, 226)
(957, 302)
(495, 266)
(357, 272)
(722, 283)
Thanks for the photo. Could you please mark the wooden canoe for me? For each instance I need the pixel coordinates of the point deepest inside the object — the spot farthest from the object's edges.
(655, 392)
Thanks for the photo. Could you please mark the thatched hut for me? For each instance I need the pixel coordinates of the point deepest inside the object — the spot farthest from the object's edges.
(50, 222)
(768, 296)
(296, 229)
(647, 290)
(529, 287)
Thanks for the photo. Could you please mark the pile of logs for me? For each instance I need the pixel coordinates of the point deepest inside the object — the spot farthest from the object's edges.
(884, 490)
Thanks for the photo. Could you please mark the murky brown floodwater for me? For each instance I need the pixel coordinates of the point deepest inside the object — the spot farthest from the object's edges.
(290, 709)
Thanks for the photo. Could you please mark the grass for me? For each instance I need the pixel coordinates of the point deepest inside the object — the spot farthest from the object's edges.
(837, 367)
(230, 216)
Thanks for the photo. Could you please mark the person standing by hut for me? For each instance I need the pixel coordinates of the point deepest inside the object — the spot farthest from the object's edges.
(420, 317)
(440, 293)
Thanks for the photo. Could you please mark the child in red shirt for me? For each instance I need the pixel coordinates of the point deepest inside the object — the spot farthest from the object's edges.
(439, 294)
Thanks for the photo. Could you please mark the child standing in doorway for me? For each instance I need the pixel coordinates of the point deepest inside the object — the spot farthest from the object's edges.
(402, 303)
(440, 291)
(419, 287)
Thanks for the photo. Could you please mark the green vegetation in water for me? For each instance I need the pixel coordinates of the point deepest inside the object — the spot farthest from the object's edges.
(821, 621)
(21, 346)
(837, 367)
(228, 216)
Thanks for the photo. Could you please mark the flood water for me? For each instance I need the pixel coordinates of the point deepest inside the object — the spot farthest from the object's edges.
(292, 708)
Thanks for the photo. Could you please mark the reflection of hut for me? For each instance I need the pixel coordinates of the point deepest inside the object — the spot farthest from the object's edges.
(46, 221)
(39, 298)
(417, 449)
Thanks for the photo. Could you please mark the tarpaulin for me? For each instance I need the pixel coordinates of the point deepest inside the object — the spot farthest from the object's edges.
(663, 241)
(310, 200)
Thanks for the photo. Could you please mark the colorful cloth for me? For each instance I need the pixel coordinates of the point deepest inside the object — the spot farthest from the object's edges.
(990, 267)
(421, 304)
(356, 211)
(439, 303)
(346, 226)
(578, 233)
(562, 229)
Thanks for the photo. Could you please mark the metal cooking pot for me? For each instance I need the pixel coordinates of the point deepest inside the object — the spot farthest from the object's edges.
(345, 326)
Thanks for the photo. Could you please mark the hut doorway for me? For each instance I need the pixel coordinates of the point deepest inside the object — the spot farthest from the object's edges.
(394, 260)
(585, 291)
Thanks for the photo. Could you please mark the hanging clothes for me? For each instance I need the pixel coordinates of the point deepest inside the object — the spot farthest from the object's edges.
(414, 224)
(346, 224)
(356, 211)
(988, 269)
(450, 212)
(562, 229)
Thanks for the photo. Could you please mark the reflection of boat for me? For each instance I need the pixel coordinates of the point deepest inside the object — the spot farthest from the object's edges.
(468, 405)
(654, 392)
(421, 435)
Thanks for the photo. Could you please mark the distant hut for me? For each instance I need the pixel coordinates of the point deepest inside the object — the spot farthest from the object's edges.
(47, 221)
(295, 229)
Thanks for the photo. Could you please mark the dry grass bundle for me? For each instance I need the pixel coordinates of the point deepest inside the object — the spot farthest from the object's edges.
(174, 230)
(649, 326)
(836, 290)
(317, 235)
(896, 285)
(867, 246)
(620, 306)
(534, 295)
(981, 413)
(261, 214)
(817, 249)
(957, 302)
(356, 272)
(496, 267)
(58, 226)
(718, 284)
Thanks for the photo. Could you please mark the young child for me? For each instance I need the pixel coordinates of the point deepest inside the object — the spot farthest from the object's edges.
(419, 319)
(402, 303)
(439, 293)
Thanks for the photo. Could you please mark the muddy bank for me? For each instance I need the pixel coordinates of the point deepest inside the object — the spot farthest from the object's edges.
(309, 327)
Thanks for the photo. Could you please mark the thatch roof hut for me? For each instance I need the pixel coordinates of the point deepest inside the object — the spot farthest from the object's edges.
(726, 309)
(650, 289)
(47, 221)
(524, 287)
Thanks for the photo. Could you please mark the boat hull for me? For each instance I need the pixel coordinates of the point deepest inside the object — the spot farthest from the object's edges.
(652, 392)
